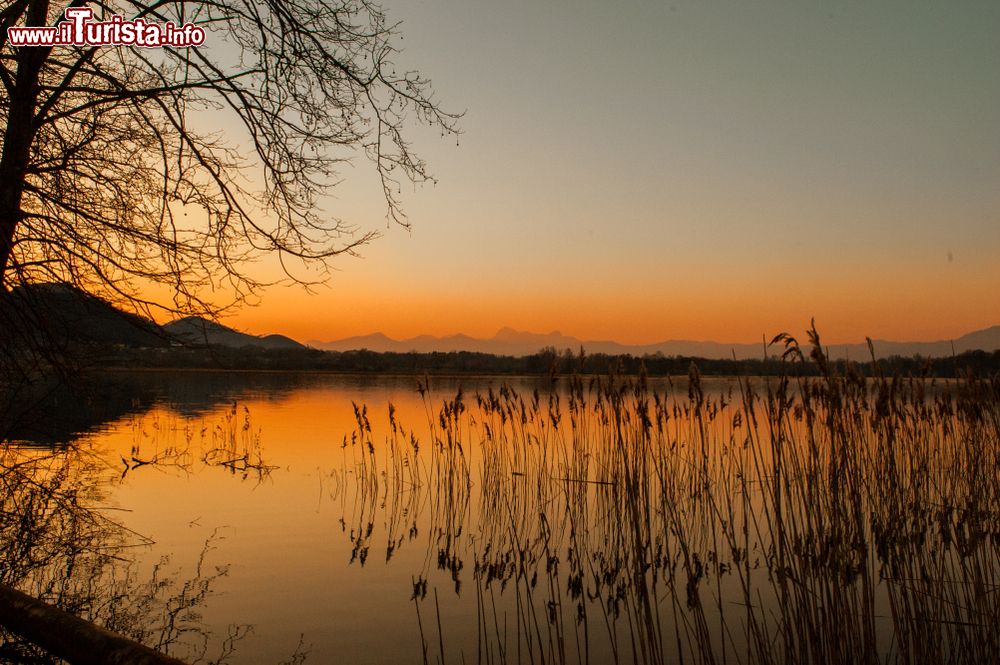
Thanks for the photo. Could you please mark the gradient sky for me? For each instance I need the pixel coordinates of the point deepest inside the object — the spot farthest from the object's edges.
(644, 171)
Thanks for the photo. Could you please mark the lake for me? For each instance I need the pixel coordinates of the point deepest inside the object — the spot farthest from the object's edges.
(363, 519)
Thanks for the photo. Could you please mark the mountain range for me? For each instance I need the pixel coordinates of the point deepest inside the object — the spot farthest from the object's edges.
(512, 342)
(59, 311)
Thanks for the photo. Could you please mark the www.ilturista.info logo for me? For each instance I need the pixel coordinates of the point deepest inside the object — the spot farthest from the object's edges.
(80, 29)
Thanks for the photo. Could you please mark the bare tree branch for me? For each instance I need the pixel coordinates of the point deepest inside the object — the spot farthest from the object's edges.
(109, 181)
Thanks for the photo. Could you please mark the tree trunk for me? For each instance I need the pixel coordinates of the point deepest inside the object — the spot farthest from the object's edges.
(70, 637)
(20, 134)
(10, 214)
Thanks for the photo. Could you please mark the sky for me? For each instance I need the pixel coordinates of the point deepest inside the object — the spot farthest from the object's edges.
(644, 171)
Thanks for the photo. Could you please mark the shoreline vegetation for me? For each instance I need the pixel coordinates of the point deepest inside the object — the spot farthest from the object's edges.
(549, 361)
(57, 327)
(828, 519)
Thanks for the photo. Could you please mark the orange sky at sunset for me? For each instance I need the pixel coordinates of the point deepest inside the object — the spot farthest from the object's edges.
(699, 171)
(704, 308)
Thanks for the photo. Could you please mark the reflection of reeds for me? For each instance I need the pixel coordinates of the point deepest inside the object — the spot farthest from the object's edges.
(830, 520)
(168, 442)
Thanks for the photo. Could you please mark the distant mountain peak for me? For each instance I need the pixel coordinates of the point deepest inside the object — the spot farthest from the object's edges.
(509, 341)
(508, 334)
(199, 322)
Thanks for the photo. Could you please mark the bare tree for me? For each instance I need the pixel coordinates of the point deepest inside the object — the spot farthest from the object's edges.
(114, 175)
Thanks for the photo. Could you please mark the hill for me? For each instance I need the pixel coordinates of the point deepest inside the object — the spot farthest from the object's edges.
(195, 330)
(55, 314)
(59, 315)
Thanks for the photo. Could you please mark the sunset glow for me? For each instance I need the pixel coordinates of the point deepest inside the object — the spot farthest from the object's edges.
(700, 172)
(519, 331)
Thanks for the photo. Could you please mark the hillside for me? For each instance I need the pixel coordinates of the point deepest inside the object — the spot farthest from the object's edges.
(55, 314)
(60, 315)
(195, 330)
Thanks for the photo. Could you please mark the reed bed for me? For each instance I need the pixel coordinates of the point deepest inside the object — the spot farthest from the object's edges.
(838, 519)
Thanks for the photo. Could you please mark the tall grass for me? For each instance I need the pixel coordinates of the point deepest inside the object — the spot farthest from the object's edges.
(838, 519)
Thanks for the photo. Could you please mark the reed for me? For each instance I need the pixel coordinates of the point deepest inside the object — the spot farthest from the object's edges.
(794, 519)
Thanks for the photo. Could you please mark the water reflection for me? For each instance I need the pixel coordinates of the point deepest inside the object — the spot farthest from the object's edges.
(58, 544)
(600, 520)
(57, 411)
(826, 521)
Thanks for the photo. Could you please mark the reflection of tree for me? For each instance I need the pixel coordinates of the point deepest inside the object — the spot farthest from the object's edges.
(44, 517)
(57, 546)
(53, 411)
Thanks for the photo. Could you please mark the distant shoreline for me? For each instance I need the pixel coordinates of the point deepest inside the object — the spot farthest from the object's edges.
(546, 363)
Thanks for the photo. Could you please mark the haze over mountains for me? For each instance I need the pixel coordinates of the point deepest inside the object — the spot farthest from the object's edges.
(61, 311)
(512, 342)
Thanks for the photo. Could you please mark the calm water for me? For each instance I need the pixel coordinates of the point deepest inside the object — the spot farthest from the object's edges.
(289, 535)
(375, 523)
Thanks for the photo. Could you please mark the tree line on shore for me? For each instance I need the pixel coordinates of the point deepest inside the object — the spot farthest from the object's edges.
(546, 361)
